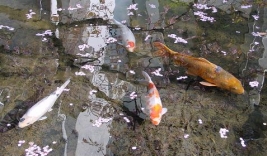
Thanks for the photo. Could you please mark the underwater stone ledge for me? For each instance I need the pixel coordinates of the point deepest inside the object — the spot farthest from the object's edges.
(263, 60)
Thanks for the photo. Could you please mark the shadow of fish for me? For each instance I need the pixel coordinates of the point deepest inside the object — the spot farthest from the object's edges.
(11, 119)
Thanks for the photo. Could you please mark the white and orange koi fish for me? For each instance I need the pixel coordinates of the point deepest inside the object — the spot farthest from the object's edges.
(153, 104)
(128, 39)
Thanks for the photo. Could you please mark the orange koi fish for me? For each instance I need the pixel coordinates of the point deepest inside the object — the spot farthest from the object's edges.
(213, 74)
(153, 104)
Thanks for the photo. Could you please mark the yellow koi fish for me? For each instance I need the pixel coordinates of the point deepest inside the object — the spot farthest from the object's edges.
(153, 104)
(213, 74)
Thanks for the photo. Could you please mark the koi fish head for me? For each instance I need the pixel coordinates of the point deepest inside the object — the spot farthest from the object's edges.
(235, 86)
(26, 121)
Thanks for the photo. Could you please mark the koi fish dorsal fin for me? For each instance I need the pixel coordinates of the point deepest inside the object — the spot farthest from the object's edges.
(204, 60)
(147, 77)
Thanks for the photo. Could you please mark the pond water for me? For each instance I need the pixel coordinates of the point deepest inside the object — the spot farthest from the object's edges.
(103, 46)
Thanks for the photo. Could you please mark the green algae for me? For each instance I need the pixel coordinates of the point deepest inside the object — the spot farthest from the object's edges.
(173, 4)
(14, 14)
(20, 15)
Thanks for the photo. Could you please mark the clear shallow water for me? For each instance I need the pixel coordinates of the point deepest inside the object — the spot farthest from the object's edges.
(32, 66)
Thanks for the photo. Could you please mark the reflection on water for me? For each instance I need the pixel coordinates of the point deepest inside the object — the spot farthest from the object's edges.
(93, 136)
(101, 114)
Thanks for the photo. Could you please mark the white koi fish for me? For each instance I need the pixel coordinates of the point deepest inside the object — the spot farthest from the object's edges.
(128, 39)
(37, 111)
(153, 104)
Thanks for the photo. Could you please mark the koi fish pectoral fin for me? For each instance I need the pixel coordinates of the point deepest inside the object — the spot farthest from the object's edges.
(164, 110)
(42, 118)
(207, 84)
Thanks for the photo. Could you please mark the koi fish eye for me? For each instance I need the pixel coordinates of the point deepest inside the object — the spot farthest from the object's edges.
(234, 88)
(21, 119)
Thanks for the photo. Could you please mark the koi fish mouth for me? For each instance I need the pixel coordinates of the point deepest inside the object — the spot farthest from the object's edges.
(155, 122)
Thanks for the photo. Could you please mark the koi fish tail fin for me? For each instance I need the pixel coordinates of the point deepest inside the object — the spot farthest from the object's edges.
(163, 50)
(147, 77)
(60, 89)
(113, 21)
